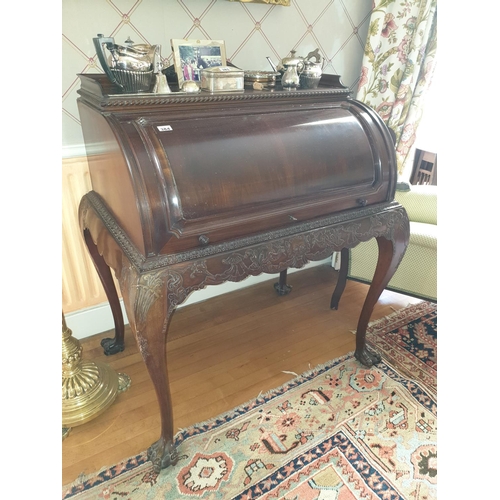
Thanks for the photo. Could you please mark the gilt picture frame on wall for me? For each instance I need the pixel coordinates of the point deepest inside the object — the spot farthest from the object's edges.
(191, 56)
(285, 3)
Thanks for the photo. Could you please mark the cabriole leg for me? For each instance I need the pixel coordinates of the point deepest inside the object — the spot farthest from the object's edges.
(390, 254)
(148, 309)
(153, 338)
(116, 344)
(342, 279)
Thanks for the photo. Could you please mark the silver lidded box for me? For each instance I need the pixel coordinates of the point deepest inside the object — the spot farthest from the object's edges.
(222, 79)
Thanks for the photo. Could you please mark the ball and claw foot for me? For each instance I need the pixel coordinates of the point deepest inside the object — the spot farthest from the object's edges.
(162, 454)
(368, 357)
(282, 289)
(111, 346)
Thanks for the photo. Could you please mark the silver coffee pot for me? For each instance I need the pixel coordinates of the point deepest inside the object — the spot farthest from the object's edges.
(292, 67)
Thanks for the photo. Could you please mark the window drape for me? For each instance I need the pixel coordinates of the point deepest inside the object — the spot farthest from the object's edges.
(398, 64)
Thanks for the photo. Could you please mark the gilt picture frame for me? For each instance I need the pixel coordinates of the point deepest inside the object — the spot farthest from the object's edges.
(285, 3)
(191, 56)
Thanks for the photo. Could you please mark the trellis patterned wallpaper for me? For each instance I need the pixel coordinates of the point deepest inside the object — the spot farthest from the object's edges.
(251, 31)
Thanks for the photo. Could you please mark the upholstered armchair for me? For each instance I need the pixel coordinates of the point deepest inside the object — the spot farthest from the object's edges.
(417, 273)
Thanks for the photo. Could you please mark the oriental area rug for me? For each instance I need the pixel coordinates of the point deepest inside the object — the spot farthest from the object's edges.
(340, 431)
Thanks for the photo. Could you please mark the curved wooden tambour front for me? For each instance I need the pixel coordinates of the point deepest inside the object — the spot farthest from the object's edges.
(210, 170)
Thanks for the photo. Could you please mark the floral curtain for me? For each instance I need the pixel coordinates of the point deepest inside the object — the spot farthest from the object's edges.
(398, 64)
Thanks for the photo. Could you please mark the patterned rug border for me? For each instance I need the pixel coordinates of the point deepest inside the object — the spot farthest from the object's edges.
(106, 473)
(411, 310)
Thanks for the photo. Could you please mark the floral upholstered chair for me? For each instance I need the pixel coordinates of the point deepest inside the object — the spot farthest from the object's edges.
(417, 272)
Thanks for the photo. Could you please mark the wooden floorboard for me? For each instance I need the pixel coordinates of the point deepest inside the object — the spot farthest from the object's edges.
(221, 353)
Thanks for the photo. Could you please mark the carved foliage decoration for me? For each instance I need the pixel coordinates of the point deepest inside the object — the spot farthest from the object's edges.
(140, 293)
(149, 289)
(275, 256)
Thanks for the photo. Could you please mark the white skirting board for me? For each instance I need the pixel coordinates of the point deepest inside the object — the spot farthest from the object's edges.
(336, 261)
(98, 319)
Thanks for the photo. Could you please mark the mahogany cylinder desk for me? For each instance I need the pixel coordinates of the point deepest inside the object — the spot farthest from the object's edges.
(196, 190)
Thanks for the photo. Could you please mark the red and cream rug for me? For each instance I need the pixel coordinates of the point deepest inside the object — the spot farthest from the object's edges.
(340, 431)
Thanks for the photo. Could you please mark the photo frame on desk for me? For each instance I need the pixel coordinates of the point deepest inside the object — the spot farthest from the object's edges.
(191, 56)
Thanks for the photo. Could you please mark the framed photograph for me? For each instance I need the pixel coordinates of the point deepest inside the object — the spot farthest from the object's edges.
(191, 56)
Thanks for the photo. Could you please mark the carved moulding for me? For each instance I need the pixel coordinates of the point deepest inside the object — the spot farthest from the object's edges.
(118, 100)
(347, 229)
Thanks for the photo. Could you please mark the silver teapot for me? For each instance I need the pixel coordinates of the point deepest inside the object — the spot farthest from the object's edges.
(129, 66)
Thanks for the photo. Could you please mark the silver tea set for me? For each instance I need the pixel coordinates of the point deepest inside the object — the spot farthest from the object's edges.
(137, 68)
(303, 72)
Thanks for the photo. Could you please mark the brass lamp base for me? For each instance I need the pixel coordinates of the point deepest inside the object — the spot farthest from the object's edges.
(100, 393)
(87, 388)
